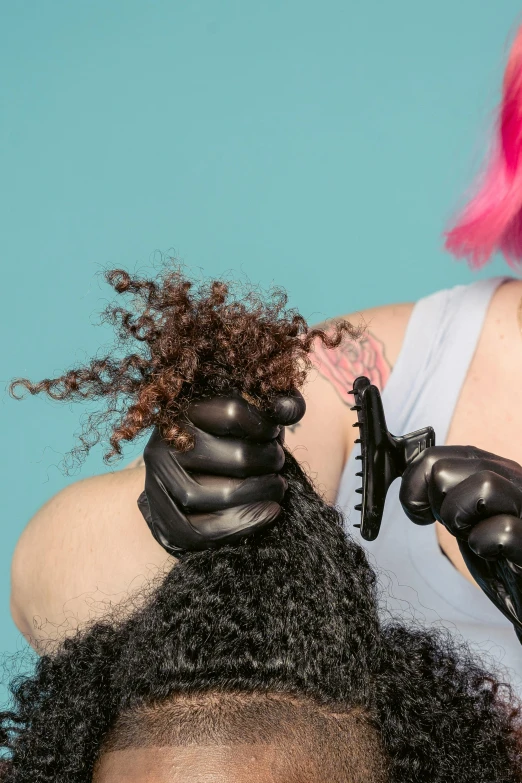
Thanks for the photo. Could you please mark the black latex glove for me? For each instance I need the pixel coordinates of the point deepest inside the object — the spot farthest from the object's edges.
(478, 497)
(228, 485)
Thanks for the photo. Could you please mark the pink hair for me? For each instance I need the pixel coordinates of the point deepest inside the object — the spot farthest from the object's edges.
(492, 221)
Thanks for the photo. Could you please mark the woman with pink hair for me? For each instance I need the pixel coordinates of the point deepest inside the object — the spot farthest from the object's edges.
(492, 221)
(452, 360)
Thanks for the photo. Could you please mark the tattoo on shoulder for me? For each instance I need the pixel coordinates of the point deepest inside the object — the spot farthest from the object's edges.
(341, 366)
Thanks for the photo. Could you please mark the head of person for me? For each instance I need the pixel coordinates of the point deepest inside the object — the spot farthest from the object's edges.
(265, 661)
(241, 737)
(491, 220)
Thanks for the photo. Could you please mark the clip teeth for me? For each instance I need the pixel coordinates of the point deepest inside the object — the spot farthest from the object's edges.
(359, 408)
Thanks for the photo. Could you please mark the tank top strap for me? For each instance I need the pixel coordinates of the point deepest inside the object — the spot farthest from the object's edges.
(439, 344)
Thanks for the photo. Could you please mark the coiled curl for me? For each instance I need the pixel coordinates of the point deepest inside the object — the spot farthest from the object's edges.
(181, 339)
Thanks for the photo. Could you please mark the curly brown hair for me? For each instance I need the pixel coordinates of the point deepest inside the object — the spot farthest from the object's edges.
(190, 335)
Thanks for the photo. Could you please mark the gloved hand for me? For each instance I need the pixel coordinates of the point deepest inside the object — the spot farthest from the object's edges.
(228, 485)
(478, 497)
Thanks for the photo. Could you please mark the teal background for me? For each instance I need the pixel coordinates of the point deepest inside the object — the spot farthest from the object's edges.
(322, 146)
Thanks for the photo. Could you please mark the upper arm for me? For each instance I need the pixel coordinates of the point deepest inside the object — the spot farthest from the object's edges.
(323, 439)
(84, 550)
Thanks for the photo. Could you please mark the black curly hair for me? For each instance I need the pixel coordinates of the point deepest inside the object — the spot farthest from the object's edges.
(279, 639)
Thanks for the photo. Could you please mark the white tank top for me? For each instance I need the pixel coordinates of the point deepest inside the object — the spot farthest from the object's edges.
(417, 580)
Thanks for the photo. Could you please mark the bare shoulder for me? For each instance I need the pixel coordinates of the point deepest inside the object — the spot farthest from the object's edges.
(387, 324)
(376, 319)
(374, 353)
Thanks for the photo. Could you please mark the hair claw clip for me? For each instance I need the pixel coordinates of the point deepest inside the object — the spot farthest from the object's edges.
(384, 457)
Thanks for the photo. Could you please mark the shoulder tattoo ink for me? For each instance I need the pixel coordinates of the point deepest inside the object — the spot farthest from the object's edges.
(342, 365)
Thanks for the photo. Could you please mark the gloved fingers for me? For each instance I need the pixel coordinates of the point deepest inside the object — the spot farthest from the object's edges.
(437, 470)
(173, 529)
(232, 417)
(474, 453)
(204, 493)
(288, 409)
(230, 524)
(233, 457)
(498, 537)
(481, 495)
(176, 532)
(414, 494)
(173, 536)
(197, 493)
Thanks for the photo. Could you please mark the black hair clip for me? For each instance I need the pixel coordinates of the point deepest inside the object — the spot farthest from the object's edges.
(384, 457)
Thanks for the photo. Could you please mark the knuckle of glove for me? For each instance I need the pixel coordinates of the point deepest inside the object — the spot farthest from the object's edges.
(455, 493)
(496, 537)
(445, 474)
(497, 495)
(288, 409)
(418, 512)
